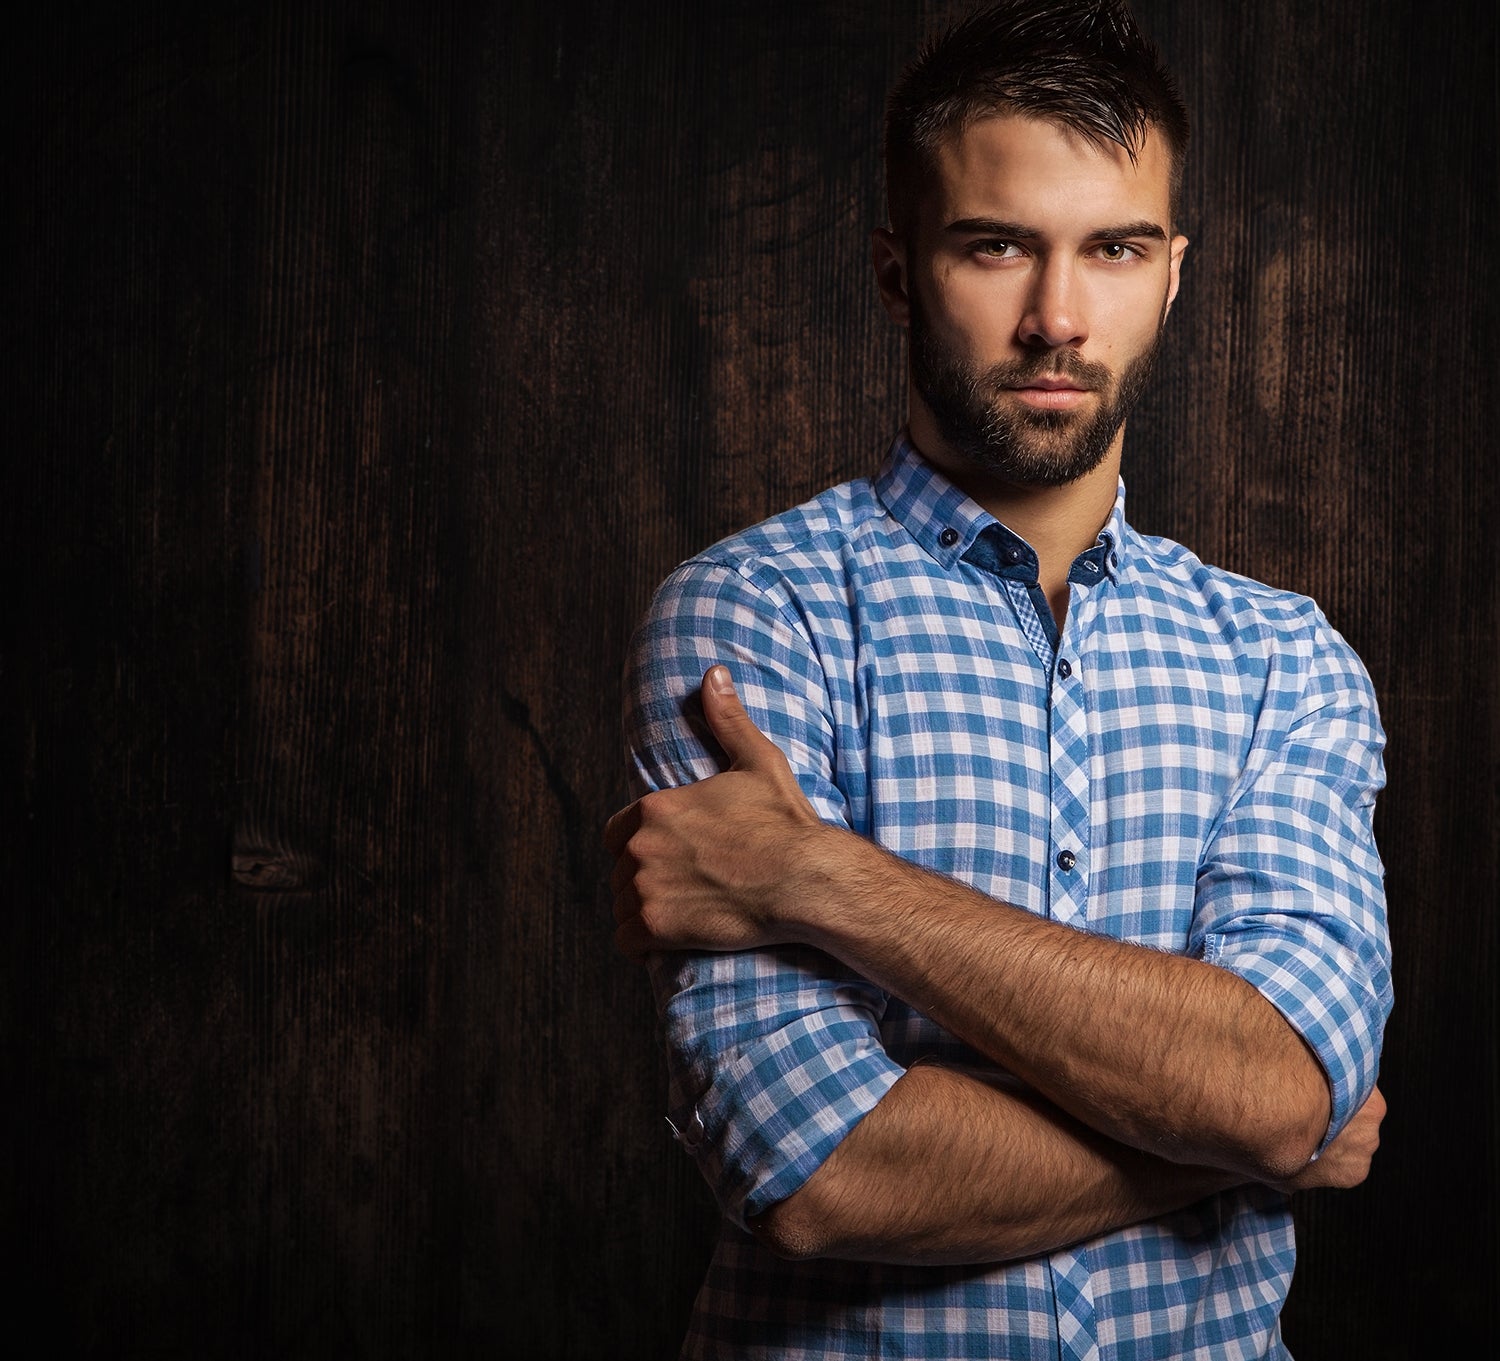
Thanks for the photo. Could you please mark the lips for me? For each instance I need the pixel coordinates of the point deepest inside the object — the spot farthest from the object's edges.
(1051, 394)
(1051, 383)
(1054, 384)
(1063, 384)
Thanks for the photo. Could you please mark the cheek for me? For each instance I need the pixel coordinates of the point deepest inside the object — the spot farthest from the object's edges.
(974, 311)
(1126, 325)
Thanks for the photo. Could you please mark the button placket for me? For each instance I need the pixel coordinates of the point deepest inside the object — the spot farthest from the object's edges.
(1068, 870)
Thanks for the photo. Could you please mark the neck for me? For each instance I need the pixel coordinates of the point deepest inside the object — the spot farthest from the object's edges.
(1058, 522)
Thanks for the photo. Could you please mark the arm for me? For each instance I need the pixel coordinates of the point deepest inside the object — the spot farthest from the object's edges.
(1166, 1053)
(949, 1169)
(1161, 1052)
(773, 1055)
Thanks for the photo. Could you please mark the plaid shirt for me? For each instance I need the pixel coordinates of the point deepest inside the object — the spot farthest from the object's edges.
(1191, 765)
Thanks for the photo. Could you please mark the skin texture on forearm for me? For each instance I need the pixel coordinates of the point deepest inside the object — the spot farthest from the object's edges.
(1161, 1052)
(948, 1169)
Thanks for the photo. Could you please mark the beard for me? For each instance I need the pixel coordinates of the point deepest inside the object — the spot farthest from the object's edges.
(1011, 442)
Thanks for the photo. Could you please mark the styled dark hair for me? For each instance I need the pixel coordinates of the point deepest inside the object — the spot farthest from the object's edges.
(1080, 63)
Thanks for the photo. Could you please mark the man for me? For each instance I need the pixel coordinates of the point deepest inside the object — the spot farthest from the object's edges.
(1013, 908)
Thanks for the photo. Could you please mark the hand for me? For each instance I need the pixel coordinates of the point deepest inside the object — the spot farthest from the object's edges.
(706, 866)
(1346, 1161)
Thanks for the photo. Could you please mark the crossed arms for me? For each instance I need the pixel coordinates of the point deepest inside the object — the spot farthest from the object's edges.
(1154, 1079)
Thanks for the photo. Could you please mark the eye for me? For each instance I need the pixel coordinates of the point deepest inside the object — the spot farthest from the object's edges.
(996, 250)
(1117, 252)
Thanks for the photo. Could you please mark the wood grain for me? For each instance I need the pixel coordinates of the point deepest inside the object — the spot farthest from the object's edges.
(367, 366)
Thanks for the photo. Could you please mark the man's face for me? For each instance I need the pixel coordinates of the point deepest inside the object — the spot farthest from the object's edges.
(1035, 284)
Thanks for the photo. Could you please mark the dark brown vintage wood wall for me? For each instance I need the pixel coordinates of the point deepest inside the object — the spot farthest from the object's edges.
(364, 367)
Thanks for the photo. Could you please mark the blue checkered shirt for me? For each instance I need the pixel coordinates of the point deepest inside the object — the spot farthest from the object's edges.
(1204, 748)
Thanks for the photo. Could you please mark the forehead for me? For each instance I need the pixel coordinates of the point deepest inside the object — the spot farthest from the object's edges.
(1026, 170)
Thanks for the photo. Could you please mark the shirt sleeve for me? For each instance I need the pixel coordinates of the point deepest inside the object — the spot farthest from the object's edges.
(773, 1055)
(1290, 892)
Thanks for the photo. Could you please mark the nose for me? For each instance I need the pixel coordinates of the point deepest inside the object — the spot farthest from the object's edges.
(1054, 313)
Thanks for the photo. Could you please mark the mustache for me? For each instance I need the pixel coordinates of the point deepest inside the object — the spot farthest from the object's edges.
(1067, 364)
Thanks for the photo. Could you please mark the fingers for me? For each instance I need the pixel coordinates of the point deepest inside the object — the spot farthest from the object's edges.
(1370, 1117)
(666, 843)
(1346, 1161)
(620, 828)
(633, 940)
(746, 746)
(627, 898)
(627, 902)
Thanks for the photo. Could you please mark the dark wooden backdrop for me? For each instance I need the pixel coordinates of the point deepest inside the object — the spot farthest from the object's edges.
(364, 367)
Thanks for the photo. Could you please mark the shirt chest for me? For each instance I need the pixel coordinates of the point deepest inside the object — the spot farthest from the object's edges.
(1081, 782)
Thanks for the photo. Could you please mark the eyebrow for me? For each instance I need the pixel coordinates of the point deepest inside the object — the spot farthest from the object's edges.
(1016, 231)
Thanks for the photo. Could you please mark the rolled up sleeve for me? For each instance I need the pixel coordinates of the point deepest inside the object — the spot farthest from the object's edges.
(1290, 893)
(773, 1055)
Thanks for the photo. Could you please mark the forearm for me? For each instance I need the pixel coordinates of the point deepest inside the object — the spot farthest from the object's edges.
(1167, 1054)
(949, 1169)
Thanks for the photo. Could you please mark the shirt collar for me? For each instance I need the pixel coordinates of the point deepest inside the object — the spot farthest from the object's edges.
(946, 523)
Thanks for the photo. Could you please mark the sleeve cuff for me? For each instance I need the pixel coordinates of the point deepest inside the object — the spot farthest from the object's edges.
(1326, 997)
(775, 1112)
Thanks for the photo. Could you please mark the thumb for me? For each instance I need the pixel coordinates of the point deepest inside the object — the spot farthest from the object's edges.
(746, 746)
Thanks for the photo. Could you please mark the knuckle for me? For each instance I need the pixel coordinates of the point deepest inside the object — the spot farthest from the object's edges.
(653, 808)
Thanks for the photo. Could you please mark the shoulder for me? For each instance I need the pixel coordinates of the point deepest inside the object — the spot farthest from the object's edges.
(1166, 571)
(792, 563)
(814, 538)
(772, 603)
(1279, 634)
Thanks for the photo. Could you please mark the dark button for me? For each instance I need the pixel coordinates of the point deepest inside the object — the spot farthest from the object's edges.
(1066, 860)
(1013, 554)
(1065, 668)
(948, 538)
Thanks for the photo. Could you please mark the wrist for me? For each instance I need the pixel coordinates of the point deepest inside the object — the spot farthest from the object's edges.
(821, 885)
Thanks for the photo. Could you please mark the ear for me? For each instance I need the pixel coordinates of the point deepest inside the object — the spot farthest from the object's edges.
(1174, 267)
(888, 256)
